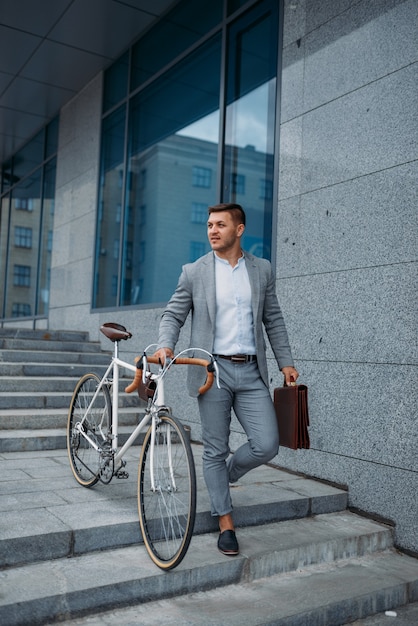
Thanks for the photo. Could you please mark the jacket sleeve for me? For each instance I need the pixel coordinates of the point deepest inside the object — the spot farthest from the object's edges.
(275, 326)
(176, 312)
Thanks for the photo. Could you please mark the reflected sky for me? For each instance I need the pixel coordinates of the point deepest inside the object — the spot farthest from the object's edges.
(247, 122)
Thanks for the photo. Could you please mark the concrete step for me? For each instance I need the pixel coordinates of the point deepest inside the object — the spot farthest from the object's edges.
(34, 369)
(45, 335)
(330, 594)
(290, 573)
(51, 357)
(25, 430)
(53, 369)
(35, 383)
(34, 440)
(38, 372)
(47, 431)
(48, 345)
(67, 384)
(49, 399)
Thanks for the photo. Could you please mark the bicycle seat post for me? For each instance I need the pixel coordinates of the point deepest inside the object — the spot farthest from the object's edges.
(116, 350)
(115, 397)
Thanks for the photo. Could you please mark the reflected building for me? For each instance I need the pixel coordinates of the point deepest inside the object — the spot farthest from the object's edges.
(165, 224)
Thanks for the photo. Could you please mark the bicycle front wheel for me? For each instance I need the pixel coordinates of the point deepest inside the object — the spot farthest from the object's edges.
(94, 414)
(166, 492)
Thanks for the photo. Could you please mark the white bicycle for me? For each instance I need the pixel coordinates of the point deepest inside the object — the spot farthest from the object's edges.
(166, 476)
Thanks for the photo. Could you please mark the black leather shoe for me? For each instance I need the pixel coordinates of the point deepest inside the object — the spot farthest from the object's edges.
(227, 543)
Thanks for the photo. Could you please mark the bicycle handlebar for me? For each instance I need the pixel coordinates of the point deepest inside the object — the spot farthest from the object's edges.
(178, 361)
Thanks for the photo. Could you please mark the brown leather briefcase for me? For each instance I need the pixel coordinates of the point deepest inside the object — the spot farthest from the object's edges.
(291, 404)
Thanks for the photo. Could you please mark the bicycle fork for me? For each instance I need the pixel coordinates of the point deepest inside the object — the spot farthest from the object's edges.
(155, 474)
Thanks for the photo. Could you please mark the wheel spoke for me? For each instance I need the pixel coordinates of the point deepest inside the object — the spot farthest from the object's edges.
(167, 513)
(89, 422)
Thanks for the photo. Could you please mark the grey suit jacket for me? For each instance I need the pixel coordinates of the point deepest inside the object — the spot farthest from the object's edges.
(196, 293)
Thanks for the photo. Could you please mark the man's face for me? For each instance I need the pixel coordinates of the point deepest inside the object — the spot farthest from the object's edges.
(223, 233)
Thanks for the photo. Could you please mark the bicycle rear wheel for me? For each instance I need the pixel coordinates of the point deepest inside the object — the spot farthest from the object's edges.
(85, 460)
(167, 493)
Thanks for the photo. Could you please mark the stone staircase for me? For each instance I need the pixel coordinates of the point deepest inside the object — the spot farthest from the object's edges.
(38, 372)
(75, 554)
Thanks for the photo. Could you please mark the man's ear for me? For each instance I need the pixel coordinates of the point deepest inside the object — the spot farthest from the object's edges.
(241, 229)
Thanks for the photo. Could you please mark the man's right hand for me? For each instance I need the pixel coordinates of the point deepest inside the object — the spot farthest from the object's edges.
(163, 354)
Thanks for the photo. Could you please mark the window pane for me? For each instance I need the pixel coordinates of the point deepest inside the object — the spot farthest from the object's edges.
(29, 157)
(48, 205)
(4, 234)
(116, 82)
(23, 260)
(52, 138)
(233, 5)
(6, 176)
(173, 34)
(249, 125)
(110, 197)
(170, 148)
(23, 237)
(201, 177)
(199, 213)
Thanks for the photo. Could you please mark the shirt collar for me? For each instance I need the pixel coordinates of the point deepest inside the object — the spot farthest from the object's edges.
(225, 262)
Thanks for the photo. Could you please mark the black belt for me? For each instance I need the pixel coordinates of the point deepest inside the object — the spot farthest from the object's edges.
(238, 358)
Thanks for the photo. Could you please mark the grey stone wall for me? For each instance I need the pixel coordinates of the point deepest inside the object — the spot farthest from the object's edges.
(347, 245)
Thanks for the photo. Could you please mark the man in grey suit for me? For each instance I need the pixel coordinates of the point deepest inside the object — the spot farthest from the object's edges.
(231, 296)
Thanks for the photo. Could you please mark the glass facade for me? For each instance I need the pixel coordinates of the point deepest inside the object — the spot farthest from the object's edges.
(26, 225)
(194, 126)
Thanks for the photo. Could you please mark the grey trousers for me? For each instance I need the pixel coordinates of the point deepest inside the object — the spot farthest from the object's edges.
(242, 390)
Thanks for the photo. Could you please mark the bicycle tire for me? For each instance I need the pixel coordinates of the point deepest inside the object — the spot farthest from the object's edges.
(167, 513)
(85, 460)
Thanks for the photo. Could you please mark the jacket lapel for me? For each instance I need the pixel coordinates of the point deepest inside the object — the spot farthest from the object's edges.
(252, 270)
(208, 281)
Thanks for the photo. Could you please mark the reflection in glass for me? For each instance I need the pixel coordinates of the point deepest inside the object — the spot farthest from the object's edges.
(6, 176)
(249, 125)
(110, 198)
(200, 130)
(116, 82)
(173, 143)
(48, 206)
(183, 26)
(29, 157)
(22, 262)
(4, 231)
(26, 225)
(233, 5)
(51, 139)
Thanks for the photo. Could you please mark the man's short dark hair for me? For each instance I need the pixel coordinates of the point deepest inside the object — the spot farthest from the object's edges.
(236, 210)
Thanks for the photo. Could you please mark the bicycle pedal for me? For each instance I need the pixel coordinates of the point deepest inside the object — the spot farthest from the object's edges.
(122, 474)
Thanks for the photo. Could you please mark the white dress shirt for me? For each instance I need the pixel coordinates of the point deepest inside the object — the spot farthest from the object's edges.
(234, 328)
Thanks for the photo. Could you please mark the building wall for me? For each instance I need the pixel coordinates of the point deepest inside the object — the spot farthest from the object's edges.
(75, 211)
(346, 246)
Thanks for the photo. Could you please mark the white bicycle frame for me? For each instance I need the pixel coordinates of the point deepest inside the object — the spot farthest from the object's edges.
(151, 414)
(114, 365)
